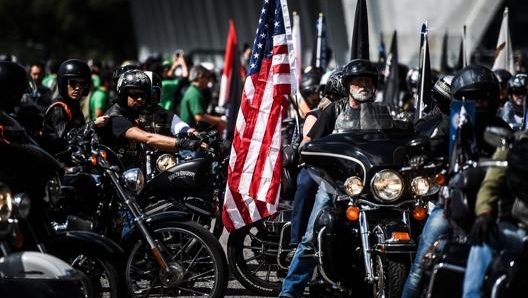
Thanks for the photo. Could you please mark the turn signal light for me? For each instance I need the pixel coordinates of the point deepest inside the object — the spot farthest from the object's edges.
(102, 153)
(419, 213)
(93, 160)
(404, 236)
(440, 179)
(352, 213)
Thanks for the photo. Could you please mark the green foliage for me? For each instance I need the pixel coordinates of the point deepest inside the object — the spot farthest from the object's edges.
(59, 29)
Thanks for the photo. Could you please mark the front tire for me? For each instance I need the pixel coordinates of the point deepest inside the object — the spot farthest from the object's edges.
(391, 271)
(192, 252)
(252, 252)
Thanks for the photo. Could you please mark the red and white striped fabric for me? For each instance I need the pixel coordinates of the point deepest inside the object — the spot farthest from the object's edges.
(227, 74)
(253, 184)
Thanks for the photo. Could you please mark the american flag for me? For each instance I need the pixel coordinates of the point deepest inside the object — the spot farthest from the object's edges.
(253, 183)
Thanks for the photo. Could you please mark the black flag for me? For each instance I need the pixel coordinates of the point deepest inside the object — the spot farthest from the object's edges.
(444, 66)
(360, 36)
(391, 91)
(424, 104)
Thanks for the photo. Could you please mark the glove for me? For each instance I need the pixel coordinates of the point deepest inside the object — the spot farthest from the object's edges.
(483, 228)
(187, 144)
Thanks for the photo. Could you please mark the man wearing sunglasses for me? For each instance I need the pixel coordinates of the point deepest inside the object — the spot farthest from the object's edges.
(65, 114)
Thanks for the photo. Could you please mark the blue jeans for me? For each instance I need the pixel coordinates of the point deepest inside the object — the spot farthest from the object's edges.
(480, 257)
(301, 268)
(436, 226)
(302, 205)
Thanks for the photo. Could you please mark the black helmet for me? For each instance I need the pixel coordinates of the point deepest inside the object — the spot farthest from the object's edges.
(333, 87)
(517, 84)
(134, 78)
(441, 92)
(120, 70)
(477, 81)
(155, 79)
(502, 75)
(69, 69)
(310, 82)
(13, 83)
(359, 68)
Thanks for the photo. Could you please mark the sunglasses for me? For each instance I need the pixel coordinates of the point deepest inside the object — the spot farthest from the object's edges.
(77, 83)
(137, 95)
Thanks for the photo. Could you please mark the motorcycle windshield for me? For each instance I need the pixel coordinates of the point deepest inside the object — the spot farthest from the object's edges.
(376, 142)
(368, 116)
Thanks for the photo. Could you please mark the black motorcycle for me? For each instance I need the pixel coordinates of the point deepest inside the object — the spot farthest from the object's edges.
(445, 263)
(166, 253)
(30, 170)
(26, 273)
(380, 177)
(193, 182)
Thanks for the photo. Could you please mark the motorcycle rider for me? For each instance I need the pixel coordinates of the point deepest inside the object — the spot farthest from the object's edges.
(496, 226)
(123, 132)
(514, 109)
(473, 83)
(306, 186)
(360, 77)
(156, 119)
(65, 114)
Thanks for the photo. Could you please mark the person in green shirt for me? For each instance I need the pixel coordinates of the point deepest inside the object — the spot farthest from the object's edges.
(192, 108)
(100, 96)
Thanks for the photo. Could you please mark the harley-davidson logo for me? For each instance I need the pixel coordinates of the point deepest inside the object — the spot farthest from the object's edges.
(180, 174)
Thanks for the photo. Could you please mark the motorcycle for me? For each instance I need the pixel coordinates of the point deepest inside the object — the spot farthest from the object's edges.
(26, 273)
(445, 263)
(166, 253)
(30, 170)
(380, 177)
(193, 182)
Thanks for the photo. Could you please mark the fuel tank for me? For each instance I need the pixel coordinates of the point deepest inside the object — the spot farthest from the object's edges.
(187, 176)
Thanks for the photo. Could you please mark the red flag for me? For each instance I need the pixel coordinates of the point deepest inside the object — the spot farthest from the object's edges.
(229, 58)
(253, 183)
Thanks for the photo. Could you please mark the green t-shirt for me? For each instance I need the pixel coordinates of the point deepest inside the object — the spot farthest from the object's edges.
(191, 104)
(167, 93)
(98, 100)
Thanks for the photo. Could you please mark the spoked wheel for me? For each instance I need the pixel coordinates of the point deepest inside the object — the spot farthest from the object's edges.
(196, 260)
(252, 253)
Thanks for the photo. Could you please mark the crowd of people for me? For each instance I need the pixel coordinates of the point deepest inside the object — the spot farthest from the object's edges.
(151, 103)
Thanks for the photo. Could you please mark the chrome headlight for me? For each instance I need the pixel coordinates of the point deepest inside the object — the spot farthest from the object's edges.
(387, 185)
(6, 202)
(165, 161)
(353, 185)
(133, 180)
(420, 186)
(22, 204)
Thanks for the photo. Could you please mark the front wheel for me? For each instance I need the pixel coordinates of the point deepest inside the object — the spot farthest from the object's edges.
(252, 251)
(391, 271)
(196, 261)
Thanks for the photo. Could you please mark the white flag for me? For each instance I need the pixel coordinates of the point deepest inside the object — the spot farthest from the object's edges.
(504, 51)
